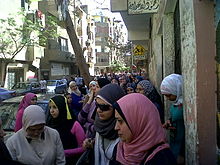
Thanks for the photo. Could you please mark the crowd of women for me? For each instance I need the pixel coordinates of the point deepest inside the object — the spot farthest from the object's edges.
(119, 121)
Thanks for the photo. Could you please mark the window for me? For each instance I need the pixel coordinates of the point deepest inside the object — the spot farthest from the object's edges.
(63, 43)
(24, 4)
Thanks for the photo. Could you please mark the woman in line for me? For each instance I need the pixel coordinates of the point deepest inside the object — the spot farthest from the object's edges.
(171, 88)
(142, 135)
(69, 102)
(106, 138)
(130, 88)
(146, 88)
(77, 97)
(36, 143)
(28, 99)
(71, 133)
(85, 116)
(92, 89)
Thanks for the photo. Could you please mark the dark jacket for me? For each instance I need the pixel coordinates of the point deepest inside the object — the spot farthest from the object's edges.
(5, 157)
(163, 157)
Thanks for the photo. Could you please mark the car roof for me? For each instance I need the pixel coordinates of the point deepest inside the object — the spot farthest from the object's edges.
(44, 98)
(53, 80)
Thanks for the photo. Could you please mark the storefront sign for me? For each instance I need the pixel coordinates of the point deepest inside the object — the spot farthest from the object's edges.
(139, 52)
(143, 6)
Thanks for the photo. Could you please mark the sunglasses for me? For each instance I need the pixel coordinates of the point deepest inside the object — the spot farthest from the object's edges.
(103, 107)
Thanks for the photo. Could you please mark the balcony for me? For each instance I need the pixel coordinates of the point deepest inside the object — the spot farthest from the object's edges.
(48, 6)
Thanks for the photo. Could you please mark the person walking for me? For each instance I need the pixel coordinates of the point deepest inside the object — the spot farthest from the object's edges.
(142, 135)
(171, 88)
(35, 143)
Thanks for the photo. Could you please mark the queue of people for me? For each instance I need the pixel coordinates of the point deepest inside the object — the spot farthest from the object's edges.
(119, 121)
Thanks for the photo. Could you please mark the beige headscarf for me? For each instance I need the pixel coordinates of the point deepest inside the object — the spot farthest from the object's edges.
(33, 115)
(76, 91)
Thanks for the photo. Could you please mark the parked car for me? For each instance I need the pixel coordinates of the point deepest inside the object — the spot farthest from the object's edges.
(6, 94)
(56, 86)
(9, 107)
(22, 88)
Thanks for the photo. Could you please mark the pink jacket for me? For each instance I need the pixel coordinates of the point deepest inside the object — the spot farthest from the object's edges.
(78, 131)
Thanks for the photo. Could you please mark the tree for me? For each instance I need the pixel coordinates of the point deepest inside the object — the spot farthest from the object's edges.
(20, 31)
(80, 60)
(118, 66)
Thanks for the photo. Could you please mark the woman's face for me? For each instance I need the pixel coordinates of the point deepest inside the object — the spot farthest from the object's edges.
(140, 89)
(35, 131)
(130, 90)
(170, 97)
(69, 99)
(104, 110)
(54, 111)
(92, 87)
(114, 81)
(73, 87)
(123, 130)
(122, 80)
(97, 88)
(34, 100)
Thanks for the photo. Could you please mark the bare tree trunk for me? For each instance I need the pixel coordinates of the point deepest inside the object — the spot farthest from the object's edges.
(4, 73)
(80, 60)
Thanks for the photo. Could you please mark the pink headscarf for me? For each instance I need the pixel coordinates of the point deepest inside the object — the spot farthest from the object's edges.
(144, 122)
(25, 102)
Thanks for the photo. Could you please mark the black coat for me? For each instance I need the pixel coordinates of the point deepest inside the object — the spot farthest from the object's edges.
(5, 157)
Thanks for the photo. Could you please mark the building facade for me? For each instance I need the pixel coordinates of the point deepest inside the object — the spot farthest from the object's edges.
(180, 36)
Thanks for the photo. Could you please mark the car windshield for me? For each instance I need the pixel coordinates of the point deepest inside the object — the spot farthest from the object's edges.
(51, 83)
(7, 113)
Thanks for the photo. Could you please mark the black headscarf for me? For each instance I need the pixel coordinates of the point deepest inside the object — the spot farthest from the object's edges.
(61, 123)
(102, 82)
(111, 93)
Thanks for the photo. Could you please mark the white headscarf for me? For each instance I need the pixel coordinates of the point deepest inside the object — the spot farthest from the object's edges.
(76, 91)
(172, 84)
(33, 115)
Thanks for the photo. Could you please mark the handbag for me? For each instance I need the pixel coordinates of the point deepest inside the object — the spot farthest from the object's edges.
(87, 158)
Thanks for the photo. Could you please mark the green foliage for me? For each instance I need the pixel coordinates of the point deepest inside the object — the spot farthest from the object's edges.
(117, 66)
(22, 30)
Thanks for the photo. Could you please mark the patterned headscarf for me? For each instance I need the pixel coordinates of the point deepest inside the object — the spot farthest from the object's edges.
(148, 87)
(143, 120)
(172, 84)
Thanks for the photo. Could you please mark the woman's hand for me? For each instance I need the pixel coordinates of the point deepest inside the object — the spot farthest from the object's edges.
(88, 143)
(168, 125)
(91, 97)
